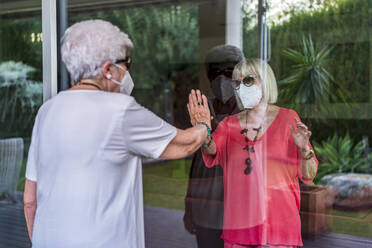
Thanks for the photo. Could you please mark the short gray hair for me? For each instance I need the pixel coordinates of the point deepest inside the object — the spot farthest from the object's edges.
(87, 45)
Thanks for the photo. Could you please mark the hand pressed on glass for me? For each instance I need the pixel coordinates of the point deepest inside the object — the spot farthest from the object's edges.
(200, 114)
(198, 108)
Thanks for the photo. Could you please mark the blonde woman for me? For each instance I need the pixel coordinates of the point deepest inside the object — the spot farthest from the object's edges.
(263, 150)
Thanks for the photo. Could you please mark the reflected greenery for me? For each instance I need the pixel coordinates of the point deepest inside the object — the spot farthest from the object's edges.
(165, 55)
(343, 25)
(165, 59)
(20, 75)
(340, 155)
(20, 98)
(309, 78)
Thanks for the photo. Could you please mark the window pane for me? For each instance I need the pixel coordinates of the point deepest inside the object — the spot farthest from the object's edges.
(254, 190)
(20, 96)
(321, 56)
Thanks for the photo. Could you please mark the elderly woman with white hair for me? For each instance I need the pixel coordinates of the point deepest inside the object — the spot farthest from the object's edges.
(263, 151)
(83, 177)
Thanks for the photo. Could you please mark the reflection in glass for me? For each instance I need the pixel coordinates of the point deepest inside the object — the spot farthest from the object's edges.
(320, 52)
(20, 97)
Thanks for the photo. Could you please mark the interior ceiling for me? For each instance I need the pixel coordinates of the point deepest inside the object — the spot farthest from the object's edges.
(25, 8)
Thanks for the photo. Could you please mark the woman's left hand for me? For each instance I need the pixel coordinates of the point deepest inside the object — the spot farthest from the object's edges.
(198, 108)
(302, 136)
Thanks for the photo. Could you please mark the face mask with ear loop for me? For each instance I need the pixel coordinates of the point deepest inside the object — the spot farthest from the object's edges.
(250, 96)
(126, 84)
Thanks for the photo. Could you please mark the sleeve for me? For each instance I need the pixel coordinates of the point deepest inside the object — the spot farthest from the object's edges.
(298, 156)
(33, 158)
(145, 133)
(219, 137)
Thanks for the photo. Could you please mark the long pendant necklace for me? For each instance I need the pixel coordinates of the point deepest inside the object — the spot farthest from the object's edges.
(250, 149)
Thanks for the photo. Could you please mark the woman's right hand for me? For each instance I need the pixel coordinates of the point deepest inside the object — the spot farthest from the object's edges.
(198, 108)
(189, 141)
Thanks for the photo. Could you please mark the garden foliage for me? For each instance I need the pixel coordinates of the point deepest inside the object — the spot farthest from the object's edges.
(340, 155)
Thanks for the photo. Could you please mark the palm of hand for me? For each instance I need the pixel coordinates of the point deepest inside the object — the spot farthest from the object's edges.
(301, 139)
(301, 136)
(198, 108)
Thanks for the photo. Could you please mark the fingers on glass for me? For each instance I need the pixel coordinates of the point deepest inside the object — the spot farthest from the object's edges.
(199, 98)
(192, 103)
(194, 98)
(300, 125)
(205, 101)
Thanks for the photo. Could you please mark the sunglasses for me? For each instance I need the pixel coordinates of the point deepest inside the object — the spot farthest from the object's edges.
(127, 62)
(226, 72)
(247, 81)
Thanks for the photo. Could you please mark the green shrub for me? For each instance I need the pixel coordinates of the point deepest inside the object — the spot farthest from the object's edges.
(340, 154)
(20, 98)
(309, 80)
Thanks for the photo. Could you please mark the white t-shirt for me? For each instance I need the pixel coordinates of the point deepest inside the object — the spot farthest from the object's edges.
(85, 156)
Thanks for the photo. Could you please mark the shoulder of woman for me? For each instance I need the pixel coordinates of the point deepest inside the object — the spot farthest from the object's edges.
(289, 115)
(45, 106)
(288, 112)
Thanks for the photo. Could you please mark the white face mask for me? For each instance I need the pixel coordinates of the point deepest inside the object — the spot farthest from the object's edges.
(126, 84)
(250, 96)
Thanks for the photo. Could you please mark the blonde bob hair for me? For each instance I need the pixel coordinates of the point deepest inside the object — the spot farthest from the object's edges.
(256, 67)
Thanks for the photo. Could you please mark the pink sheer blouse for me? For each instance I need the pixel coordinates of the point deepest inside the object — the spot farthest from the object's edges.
(263, 206)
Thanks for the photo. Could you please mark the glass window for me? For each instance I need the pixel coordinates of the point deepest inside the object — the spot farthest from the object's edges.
(259, 187)
(321, 56)
(21, 95)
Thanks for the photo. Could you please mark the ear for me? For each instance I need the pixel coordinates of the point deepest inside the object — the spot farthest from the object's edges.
(106, 70)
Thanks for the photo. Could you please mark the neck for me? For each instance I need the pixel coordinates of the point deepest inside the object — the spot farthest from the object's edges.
(258, 112)
(91, 83)
(254, 118)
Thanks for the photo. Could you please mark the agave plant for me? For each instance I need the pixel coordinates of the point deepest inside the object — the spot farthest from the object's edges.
(340, 154)
(310, 80)
(19, 96)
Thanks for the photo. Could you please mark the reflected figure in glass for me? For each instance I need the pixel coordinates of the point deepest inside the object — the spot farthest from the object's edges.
(263, 151)
(204, 200)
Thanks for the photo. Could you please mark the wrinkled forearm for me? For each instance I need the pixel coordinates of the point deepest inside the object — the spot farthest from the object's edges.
(185, 143)
(30, 210)
(30, 205)
(198, 136)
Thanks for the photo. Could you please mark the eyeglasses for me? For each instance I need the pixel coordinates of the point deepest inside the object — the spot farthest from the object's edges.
(127, 62)
(247, 81)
